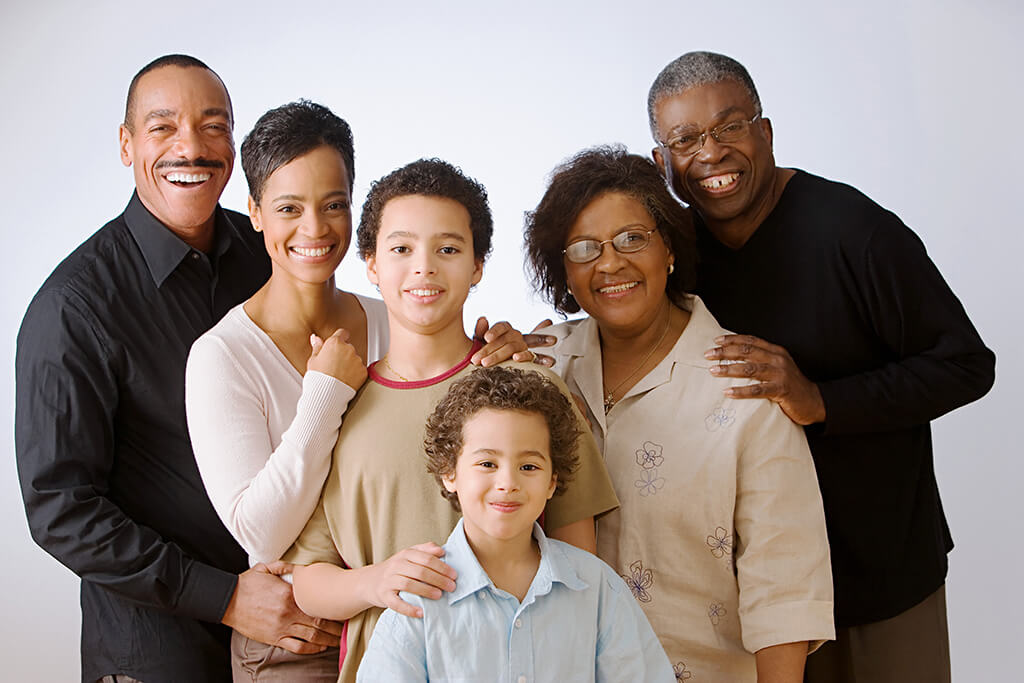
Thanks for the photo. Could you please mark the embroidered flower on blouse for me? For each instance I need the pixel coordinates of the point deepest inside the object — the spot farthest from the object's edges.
(681, 673)
(716, 611)
(649, 482)
(720, 418)
(649, 455)
(720, 543)
(639, 580)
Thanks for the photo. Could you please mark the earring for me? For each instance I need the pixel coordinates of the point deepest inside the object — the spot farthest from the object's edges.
(257, 228)
(671, 268)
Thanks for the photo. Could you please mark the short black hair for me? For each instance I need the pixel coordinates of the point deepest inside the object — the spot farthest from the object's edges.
(183, 61)
(501, 388)
(577, 182)
(430, 178)
(286, 133)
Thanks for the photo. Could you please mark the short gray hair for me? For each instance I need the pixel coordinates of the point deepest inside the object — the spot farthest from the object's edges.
(695, 69)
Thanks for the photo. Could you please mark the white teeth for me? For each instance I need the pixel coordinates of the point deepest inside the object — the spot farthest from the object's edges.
(188, 177)
(614, 289)
(311, 251)
(424, 292)
(719, 181)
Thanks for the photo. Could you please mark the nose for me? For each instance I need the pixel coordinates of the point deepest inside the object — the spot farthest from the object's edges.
(711, 151)
(609, 260)
(425, 263)
(315, 225)
(189, 143)
(506, 480)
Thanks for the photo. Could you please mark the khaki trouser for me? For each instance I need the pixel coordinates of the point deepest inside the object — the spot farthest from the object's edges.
(256, 662)
(911, 647)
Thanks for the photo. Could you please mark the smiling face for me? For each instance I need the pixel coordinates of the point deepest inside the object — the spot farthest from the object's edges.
(624, 292)
(503, 476)
(726, 183)
(424, 263)
(306, 217)
(180, 148)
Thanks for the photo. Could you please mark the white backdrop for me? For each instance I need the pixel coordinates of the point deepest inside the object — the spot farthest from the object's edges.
(917, 103)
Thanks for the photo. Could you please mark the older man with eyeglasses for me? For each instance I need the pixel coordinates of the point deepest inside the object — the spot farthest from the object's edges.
(858, 337)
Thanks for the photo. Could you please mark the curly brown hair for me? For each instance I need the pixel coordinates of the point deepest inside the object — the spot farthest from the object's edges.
(501, 388)
(430, 178)
(578, 181)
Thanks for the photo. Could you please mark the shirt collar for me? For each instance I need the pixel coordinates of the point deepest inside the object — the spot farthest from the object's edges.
(554, 567)
(162, 250)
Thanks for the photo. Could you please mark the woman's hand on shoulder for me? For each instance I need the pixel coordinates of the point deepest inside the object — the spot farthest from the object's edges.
(418, 570)
(334, 356)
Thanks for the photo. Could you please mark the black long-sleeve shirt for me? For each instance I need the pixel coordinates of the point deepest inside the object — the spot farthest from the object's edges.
(110, 483)
(850, 292)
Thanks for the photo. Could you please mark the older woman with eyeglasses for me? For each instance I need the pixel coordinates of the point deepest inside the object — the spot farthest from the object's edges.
(721, 534)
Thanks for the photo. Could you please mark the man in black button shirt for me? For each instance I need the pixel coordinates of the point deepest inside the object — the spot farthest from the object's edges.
(874, 345)
(110, 484)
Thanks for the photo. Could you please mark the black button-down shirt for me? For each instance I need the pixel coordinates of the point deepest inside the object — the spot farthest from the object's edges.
(110, 483)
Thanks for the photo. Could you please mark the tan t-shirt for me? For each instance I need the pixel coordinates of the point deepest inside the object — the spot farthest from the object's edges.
(721, 531)
(379, 497)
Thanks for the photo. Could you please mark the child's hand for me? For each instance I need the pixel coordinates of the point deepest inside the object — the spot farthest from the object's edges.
(334, 356)
(417, 570)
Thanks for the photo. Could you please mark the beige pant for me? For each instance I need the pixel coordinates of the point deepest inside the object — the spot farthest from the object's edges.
(253, 661)
(911, 647)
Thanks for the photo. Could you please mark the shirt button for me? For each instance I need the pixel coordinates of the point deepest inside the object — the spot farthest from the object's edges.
(195, 255)
(519, 624)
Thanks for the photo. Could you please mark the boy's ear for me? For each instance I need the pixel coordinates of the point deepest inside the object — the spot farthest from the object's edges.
(448, 480)
(554, 485)
(371, 270)
(478, 271)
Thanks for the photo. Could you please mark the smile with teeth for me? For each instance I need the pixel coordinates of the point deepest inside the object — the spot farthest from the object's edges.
(312, 251)
(615, 289)
(188, 178)
(719, 182)
(424, 292)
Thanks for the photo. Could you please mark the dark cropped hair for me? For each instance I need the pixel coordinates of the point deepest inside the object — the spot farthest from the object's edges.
(183, 61)
(286, 133)
(501, 388)
(580, 180)
(431, 178)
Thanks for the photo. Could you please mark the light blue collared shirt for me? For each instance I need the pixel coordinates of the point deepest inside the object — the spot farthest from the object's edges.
(578, 622)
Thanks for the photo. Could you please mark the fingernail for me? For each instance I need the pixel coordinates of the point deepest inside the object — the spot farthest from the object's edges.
(709, 354)
(728, 392)
(716, 369)
(719, 340)
(551, 339)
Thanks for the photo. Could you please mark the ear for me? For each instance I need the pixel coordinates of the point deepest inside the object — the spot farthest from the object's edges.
(125, 143)
(766, 127)
(659, 160)
(448, 480)
(478, 270)
(254, 215)
(553, 486)
(371, 269)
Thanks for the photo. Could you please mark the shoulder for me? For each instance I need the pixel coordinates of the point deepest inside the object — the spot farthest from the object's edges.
(374, 308)
(541, 370)
(852, 217)
(595, 572)
(224, 340)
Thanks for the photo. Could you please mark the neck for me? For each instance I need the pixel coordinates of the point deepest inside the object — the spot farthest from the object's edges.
(736, 231)
(417, 356)
(511, 563)
(284, 304)
(638, 338)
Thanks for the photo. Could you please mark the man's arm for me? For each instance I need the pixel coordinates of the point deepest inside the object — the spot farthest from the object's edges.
(66, 402)
(938, 360)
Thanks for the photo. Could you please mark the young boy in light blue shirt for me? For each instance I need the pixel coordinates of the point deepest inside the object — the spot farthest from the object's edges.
(525, 608)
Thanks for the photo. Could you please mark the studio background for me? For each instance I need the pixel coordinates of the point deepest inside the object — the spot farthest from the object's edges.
(917, 103)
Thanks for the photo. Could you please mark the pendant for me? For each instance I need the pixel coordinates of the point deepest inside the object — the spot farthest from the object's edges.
(608, 402)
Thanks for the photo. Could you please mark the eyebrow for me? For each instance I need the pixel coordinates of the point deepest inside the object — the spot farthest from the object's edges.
(168, 113)
(299, 197)
(717, 117)
(445, 235)
(618, 231)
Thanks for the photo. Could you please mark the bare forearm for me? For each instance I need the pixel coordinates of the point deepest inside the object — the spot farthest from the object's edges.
(580, 534)
(781, 663)
(329, 591)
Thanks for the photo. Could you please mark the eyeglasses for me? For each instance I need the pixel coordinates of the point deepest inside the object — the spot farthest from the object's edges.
(626, 242)
(689, 143)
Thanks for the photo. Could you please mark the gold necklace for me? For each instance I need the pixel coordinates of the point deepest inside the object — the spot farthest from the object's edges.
(392, 370)
(609, 398)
